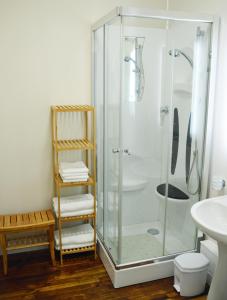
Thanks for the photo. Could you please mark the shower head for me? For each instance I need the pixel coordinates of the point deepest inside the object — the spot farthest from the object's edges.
(178, 52)
(128, 59)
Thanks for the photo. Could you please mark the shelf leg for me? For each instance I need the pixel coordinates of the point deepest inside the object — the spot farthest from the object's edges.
(61, 258)
(59, 222)
(51, 244)
(94, 172)
(4, 253)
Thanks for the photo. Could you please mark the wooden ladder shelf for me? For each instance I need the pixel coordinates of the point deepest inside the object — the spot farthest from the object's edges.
(84, 144)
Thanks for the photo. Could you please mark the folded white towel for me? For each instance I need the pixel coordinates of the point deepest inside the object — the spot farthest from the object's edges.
(74, 176)
(75, 179)
(75, 235)
(74, 203)
(76, 213)
(69, 167)
(72, 246)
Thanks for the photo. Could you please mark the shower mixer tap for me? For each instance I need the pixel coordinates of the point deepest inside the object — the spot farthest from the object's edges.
(115, 150)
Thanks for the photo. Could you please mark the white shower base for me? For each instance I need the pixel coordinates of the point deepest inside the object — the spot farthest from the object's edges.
(139, 245)
(173, 244)
(137, 274)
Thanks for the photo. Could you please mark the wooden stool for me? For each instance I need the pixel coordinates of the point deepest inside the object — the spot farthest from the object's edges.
(33, 221)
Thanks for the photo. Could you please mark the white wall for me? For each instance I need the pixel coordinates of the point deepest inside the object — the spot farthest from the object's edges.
(45, 55)
(219, 152)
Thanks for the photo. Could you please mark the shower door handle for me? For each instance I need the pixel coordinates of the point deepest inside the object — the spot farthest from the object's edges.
(115, 150)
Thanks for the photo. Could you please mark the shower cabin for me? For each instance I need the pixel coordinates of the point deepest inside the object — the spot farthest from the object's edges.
(152, 88)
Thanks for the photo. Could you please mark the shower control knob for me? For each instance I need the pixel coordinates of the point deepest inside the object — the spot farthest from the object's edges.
(164, 109)
(115, 150)
(126, 151)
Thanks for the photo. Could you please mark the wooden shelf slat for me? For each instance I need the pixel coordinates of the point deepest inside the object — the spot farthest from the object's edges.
(60, 182)
(13, 220)
(23, 246)
(26, 220)
(78, 218)
(78, 250)
(1, 221)
(44, 216)
(27, 242)
(32, 217)
(38, 217)
(63, 145)
(7, 222)
(72, 108)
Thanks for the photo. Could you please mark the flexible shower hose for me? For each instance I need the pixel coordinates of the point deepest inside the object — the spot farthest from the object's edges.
(195, 163)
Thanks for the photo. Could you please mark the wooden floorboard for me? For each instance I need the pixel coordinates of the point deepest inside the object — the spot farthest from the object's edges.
(31, 276)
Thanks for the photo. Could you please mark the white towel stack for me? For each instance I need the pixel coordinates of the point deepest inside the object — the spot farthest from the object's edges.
(74, 205)
(73, 171)
(75, 237)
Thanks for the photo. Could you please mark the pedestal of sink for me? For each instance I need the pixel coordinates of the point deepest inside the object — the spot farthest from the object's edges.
(218, 288)
(210, 215)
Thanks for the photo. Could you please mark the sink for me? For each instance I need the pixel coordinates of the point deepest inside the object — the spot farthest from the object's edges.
(210, 215)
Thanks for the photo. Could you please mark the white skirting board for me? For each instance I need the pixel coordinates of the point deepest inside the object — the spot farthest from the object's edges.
(134, 275)
(210, 249)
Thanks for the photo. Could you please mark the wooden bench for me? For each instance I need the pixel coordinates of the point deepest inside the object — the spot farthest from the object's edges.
(33, 221)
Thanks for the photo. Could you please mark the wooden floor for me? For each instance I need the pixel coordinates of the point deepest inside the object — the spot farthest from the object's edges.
(31, 276)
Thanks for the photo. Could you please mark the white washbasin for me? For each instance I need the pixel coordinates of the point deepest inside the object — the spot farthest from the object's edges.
(210, 215)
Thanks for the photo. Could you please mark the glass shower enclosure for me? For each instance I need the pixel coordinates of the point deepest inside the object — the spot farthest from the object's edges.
(150, 89)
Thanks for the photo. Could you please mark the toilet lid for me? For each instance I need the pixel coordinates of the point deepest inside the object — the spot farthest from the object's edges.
(191, 262)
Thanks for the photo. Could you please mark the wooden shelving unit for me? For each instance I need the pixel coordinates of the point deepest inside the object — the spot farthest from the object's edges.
(84, 144)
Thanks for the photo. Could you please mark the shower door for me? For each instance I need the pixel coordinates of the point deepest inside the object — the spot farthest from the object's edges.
(146, 99)
(112, 137)
(163, 117)
(190, 56)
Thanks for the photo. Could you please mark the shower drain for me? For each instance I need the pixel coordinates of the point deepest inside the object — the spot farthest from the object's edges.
(153, 231)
